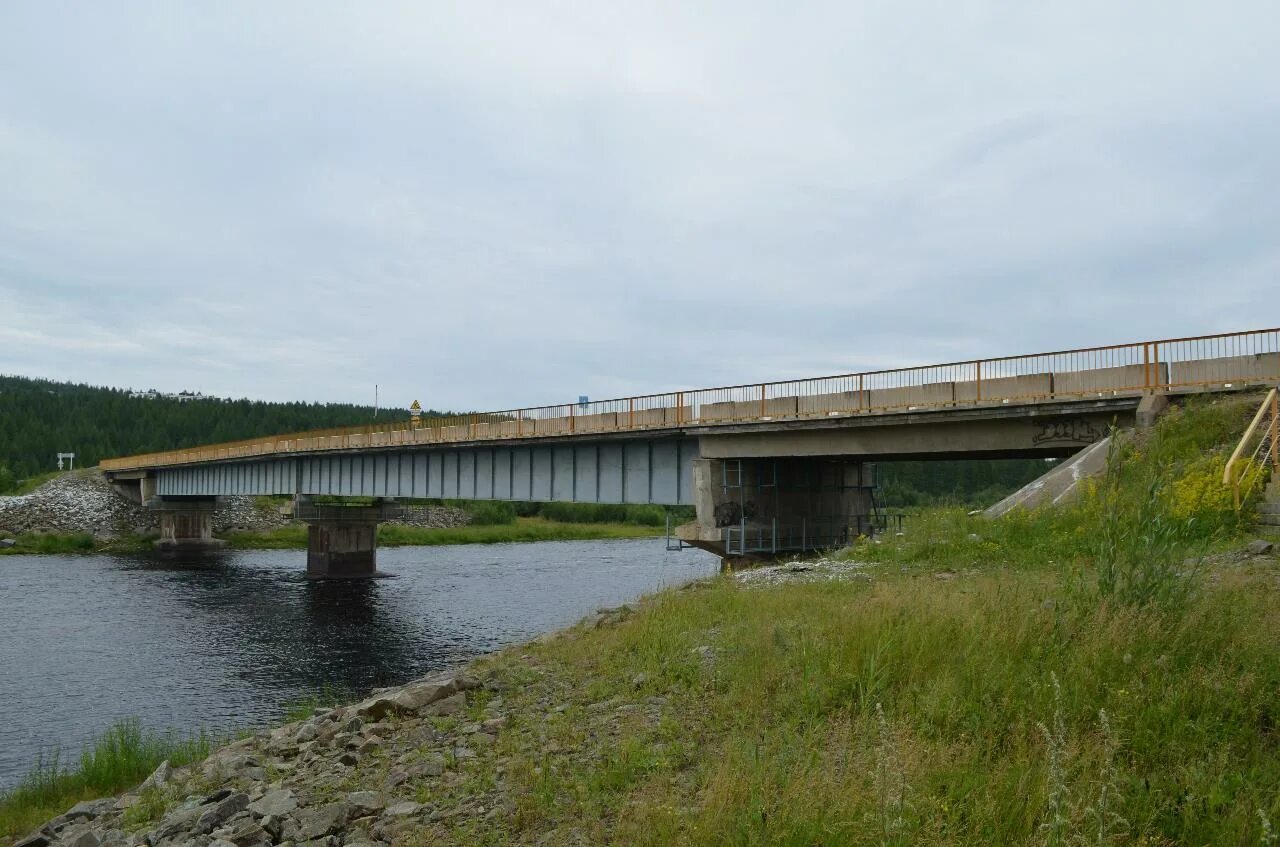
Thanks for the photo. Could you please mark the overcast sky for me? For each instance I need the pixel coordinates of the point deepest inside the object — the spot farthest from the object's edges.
(492, 205)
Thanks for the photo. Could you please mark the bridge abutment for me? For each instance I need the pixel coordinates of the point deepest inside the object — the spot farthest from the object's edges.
(342, 540)
(186, 524)
(761, 508)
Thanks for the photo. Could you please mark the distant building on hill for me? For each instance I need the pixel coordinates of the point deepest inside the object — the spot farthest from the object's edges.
(181, 396)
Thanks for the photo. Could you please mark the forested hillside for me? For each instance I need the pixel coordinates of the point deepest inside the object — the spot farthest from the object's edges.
(965, 482)
(39, 419)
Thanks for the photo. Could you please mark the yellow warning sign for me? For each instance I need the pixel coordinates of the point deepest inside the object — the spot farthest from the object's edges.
(416, 407)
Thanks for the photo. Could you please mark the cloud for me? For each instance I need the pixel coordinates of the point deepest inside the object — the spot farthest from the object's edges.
(491, 205)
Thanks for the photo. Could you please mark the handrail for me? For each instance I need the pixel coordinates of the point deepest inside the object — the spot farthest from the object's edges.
(1224, 359)
(1270, 403)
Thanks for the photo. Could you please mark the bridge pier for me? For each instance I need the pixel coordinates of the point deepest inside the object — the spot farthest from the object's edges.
(758, 509)
(186, 524)
(342, 541)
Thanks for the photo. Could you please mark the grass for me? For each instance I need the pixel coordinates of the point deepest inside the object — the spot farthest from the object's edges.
(326, 697)
(120, 759)
(74, 542)
(30, 484)
(394, 535)
(909, 710)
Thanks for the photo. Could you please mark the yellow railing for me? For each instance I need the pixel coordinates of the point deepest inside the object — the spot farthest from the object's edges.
(1256, 456)
(1225, 360)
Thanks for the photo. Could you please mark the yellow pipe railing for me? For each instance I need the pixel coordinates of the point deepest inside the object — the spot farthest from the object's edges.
(1265, 428)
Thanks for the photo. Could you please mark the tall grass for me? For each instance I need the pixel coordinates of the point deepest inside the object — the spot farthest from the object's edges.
(74, 542)
(1069, 680)
(120, 758)
(780, 740)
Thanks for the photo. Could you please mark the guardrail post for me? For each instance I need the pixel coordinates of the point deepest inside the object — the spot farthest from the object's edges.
(1275, 429)
(571, 419)
(679, 407)
(762, 413)
(631, 412)
(978, 382)
(1146, 365)
(859, 392)
(1155, 358)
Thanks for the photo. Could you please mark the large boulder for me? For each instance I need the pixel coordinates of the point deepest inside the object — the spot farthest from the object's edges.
(415, 696)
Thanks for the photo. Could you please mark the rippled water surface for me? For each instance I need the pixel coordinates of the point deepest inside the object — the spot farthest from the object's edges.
(87, 640)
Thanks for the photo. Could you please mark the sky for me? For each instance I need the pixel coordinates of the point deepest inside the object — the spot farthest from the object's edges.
(491, 205)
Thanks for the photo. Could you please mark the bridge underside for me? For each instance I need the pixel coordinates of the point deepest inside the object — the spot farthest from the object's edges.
(633, 471)
(758, 489)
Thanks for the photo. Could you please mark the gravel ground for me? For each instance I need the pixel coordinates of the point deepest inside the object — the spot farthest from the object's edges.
(83, 501)
(817, 570)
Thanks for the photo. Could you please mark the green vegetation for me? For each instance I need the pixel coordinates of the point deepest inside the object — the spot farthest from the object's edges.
(326, 697)
(1084, 676)
(40, 418)
(1163, 492)
(124, 756)
(396, 535)
(74, 542)
(957, 482)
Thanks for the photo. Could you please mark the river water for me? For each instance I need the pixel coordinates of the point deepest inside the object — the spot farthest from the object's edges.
(228, 642)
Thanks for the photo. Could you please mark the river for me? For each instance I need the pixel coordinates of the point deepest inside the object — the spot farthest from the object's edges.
(226, 643)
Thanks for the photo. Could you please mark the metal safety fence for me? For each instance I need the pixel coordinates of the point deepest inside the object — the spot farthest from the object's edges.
(1208, 362)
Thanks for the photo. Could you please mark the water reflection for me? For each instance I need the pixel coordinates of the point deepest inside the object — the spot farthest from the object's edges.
(224, 641)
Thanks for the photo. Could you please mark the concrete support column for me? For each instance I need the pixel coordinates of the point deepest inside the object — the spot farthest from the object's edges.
(186, 524)
(342, 540)
(342, 550)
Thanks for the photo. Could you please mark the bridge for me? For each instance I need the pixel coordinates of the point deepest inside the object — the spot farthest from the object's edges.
(768, 467)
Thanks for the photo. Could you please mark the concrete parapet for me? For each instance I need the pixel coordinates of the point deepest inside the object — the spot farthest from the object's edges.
(929, 394)
(551, 426)
(1123, 379)
(997, 389)
(1217, 373)
(837, 403)
(604, 422)
(772, 407)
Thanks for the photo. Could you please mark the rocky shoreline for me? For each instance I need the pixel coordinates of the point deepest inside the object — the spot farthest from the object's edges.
(82, 501)
(289, 786)
(398, 767)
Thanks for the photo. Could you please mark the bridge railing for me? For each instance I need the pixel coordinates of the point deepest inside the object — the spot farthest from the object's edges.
(1225, 360)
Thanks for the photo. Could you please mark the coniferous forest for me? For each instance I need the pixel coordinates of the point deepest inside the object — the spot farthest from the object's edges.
(40, 418)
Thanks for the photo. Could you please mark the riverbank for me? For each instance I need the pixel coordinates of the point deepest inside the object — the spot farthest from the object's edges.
(831, 702)
(1101, 674)
(294, 537)
(393, 535)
